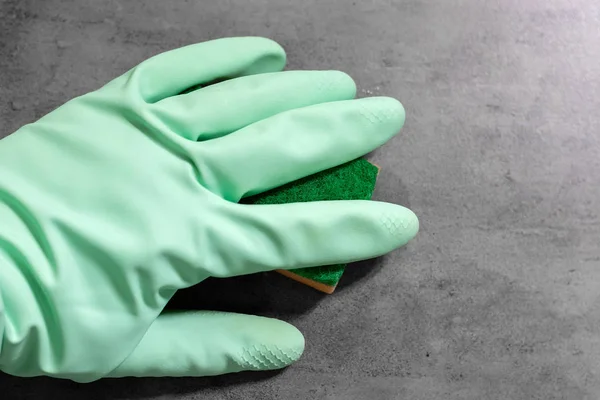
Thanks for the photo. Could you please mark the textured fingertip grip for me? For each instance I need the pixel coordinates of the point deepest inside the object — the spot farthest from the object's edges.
(268, 357)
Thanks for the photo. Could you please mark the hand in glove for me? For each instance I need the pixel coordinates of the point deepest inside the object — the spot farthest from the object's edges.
(120, 197)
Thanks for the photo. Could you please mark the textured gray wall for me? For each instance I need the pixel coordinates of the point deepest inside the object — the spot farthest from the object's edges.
(498, 297)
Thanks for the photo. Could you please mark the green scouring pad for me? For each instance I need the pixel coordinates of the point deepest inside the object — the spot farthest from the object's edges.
(351, 181)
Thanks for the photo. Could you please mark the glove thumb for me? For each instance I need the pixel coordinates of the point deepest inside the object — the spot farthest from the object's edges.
(212, 343)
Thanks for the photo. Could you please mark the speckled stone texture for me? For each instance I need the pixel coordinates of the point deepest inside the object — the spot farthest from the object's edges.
(498, 297)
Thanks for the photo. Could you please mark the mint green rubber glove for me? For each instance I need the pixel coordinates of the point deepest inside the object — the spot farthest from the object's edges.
(117, 199)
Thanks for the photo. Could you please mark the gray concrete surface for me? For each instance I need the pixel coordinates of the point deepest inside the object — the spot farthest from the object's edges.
(498, 297)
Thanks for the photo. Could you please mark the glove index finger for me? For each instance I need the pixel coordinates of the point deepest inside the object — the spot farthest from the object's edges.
(298, 235)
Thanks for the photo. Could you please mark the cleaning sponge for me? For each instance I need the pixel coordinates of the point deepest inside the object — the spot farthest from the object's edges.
(351, 181)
